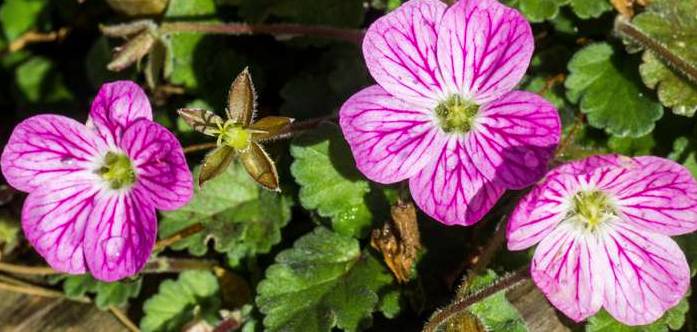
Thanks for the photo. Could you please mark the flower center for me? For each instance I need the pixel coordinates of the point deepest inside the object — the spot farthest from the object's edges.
(592, 207)
(117, 170)
(456, 114)
(234, 135)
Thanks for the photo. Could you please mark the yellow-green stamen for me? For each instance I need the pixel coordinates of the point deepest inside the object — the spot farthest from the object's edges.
(234, 135)
(117, 170)
(456, 114)
(592, 207)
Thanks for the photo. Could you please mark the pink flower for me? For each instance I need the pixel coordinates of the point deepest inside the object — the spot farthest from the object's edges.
(443, 114)
(603, 227)
(93, 189)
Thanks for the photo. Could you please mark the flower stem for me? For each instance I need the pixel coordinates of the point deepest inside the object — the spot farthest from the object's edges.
(278, 30)
(672, 60)
(199, 147)
(18, 286)
(176, 265)
(455, 308)
(178, 236)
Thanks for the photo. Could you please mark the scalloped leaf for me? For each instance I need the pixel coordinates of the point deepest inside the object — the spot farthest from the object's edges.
(194, 295)
(324, 281)
(608, 92)
(329, 183)
(241, 218)
(107, 293)
(673, 24)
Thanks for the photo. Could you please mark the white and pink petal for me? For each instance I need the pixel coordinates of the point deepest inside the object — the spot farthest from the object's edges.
(483, 49)
(45, 148)
(54, 219)
(648, 274)
(569, 267)
(163, 176)
(391, 140)
(514, 138)
(115, 107)
(120, 235)
(450, 188)
(400, 52)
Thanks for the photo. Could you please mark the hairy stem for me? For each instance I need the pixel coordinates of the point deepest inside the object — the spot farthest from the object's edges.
(18, 286)
(455, 308)
(350, 35)
(199, 147)
(176, 265)
(672, 60)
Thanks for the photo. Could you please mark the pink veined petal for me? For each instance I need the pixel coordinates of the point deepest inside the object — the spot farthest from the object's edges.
(514, 138)
(569, 267)
(540, 211)
(47, 147)
(452, 190)
(648, 274)
(161, 169)
(391, 140)
(54, 219)
(120, 235)
(399, 50)
(116, 106)
(590, 164)
(484, 48)
(657, 194)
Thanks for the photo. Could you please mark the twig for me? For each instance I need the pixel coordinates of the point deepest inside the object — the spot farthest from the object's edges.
(199, 147)
(18, 286)
(350, 35)
(672, 60)
(28, 270)
(32, 37)
(308, 124)
(453, 309)
(123, 318)
(178, 236)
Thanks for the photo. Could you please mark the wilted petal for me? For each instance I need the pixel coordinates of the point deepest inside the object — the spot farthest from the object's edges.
(260, 167)
(270, 127)
(120, 235)
(658, 194)
(648, 274)
(400, 52)
(570, 268)
(514, 138)
(484, 48)
(160, 164)
(116, 106)
(241, 99)
(205, 122)
(47, 147)
(215, 163)
(391, 140)
(54, 219)
(452, 190)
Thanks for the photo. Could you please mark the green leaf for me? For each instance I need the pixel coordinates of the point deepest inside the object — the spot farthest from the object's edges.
(495, 312)
(39, 81)
(18, 16)
(240, 217)
(673, 24)
(324, 281)
(107, 293)
(684, 153)
(630, 146)
(9, 232)
(608, 92)
(194, 295)
(590, 8)
(329, 182)
(539, 10)
(673, 319)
